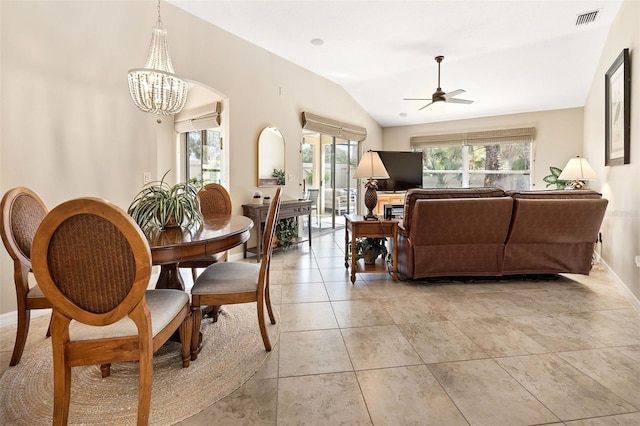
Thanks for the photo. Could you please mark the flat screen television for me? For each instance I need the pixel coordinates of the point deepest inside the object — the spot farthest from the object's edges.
(404, 169)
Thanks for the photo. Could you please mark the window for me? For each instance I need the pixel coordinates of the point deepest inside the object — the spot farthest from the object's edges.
(204, 155)
(500, 159)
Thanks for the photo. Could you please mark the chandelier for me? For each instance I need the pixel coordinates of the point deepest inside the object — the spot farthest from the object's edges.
(155, 88)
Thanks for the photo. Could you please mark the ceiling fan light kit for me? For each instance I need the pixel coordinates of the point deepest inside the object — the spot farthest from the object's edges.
(440, 95)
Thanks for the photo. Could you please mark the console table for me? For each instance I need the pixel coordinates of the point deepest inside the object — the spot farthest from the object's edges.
(288, 208)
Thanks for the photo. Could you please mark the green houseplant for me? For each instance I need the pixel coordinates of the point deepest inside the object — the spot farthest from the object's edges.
(162, 205)
(552, 179)
(370, 249)
(286, 232)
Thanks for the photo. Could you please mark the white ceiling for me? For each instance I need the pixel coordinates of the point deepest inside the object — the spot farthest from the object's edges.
(510, 56)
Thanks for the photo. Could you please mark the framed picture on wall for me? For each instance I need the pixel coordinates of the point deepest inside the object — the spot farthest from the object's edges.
(617, 111)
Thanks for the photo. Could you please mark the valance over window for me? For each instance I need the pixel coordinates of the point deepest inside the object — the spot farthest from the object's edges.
(487, 137)
(332, 127)
(200, 118)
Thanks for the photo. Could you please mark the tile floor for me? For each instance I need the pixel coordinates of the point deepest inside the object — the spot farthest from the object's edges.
(504, 352)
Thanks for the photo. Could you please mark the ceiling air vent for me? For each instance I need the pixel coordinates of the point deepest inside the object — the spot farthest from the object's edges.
(587, 17)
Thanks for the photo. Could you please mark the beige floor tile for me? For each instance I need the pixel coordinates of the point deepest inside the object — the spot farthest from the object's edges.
(458, 306)
(328, 252)
(507, 303)
(313, 352)
(330, 262)
(269, 368)
(566, 391)
(339, 275)
(615, 368)
(296, 293)
(348, 291)
(498, 337)
(307, 316)
(407, 396)
(553, 334)
(254, 403)
(360, 313)
(379, 347)
(631, 419)
(606, 328)
(300, 276)
(325, 399)
(440, 342)
(405, 310)
(487, 395)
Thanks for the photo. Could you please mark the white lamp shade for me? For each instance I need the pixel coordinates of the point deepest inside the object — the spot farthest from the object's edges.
(578, 168)
(371, 166)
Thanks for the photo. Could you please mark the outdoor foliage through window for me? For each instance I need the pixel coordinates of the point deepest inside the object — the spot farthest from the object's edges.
(505, 166)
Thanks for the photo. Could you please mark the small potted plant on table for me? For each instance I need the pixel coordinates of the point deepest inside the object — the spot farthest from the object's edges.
(162, 205)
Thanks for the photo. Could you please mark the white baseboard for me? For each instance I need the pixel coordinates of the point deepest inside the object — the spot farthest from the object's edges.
(619, 283)
(11, 318)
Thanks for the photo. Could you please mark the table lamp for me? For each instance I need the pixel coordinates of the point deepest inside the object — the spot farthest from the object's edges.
(371, 168)
(576, 172)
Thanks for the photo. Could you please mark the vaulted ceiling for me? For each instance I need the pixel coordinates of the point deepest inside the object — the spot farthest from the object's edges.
(509, 56)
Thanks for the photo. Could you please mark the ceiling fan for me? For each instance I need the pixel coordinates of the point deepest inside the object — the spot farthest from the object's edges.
(439, 95)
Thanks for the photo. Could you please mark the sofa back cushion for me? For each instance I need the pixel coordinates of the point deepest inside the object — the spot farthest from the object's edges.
(553, 235)
(460, 236)
(556, 194)
(443, 193)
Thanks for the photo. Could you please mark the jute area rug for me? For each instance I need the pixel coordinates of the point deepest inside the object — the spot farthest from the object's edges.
(232, 352)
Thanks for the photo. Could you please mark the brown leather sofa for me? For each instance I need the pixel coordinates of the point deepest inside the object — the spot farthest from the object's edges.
(489, 232)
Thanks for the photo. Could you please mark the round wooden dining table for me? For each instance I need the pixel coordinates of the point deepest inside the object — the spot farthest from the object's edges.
(171, 246)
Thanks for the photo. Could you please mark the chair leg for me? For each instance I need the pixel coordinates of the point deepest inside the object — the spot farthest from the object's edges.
(61, 373)
(263, 326)
(185, 331)
(49, 328)
(194, 274)
(267, 299)
(105, 370)
(196, 317)
(144, 389)
(24, 318)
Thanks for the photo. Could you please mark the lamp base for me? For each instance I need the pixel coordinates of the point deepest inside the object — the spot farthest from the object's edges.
(371, 199)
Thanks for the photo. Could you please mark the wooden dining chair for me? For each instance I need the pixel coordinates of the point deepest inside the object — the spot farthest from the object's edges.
(229, 283)
(214, 199)
(93, 263)
(22, 212)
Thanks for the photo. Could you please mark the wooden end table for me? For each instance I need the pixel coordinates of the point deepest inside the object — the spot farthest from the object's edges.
(357, 227)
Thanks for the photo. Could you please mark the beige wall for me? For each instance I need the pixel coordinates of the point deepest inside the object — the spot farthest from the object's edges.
(619, 184)
(558, 135)
(70, 129)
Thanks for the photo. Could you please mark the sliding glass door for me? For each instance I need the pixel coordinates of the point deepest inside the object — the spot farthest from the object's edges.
(328, 164)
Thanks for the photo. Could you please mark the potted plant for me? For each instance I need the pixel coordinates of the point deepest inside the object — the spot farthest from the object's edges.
(286, 232)
(162, 205)
(370, 249)
(279, 175)
(552, 179)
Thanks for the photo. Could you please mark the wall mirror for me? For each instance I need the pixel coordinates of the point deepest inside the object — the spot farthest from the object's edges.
(271, 170)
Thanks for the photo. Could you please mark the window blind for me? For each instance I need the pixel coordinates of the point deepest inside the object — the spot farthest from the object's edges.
(485, 137)
(201, 118)
(333, 127)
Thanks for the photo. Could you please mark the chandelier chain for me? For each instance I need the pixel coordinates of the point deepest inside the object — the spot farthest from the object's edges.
(159, 21)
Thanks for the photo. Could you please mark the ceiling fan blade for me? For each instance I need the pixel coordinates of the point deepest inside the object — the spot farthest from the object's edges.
(425, 106)
(459, 101)
(454, 93)
(416, 99)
